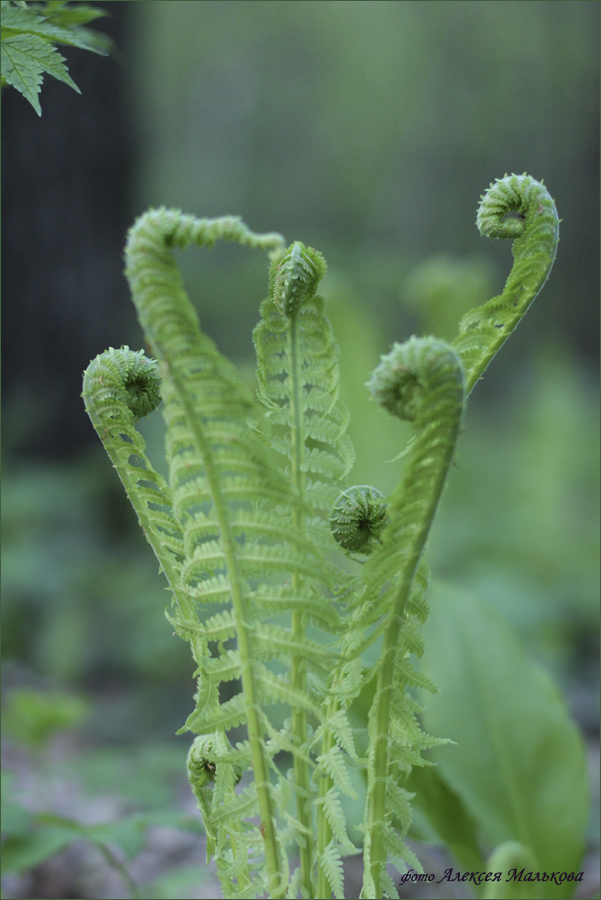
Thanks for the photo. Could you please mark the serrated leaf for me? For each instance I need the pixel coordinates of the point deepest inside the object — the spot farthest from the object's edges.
(25, 20)
(25, 58)
(65, 16)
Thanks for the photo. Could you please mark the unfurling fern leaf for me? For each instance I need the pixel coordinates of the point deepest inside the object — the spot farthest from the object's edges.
(256, 528)
(535, 235)
(421, 380)
(297, 368)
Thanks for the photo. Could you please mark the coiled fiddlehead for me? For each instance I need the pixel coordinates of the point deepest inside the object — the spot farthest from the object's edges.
(358, 518)
(127, 379)
(422, 381)
(535, 235)
(294, 278)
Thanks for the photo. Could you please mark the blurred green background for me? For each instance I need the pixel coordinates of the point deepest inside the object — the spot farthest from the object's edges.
(369, 131)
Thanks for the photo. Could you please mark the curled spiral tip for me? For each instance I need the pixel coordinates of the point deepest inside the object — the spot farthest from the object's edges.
(520, 194)
(358, 517)
(128, 376)
(405, 376)
(293, 279)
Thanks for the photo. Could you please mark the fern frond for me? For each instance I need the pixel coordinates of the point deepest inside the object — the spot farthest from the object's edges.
(120, 387)
(230, 714)
(298, 383)
(343, 733)
(271, 600)
(422, 381)
(244, 805)
(276, 688)
(273, 641)
(407, 674)
(398, 849)
(389, 889)
(330, 863)
(219, 627)
(334, 765)
(399, 804)
(313, 352)
(336, 820)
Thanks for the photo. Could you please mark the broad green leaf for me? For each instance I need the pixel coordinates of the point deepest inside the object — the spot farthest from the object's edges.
(22, 852)
(519, 765)
(440, 815)
(505, 859)
(15, 818)
(127, 833)
(34, 716)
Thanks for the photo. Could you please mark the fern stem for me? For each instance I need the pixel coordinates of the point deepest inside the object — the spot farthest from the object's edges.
(298, 672)
(421, 380)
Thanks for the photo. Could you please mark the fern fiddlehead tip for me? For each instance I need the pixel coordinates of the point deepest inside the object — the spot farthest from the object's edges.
(293, 278)
(402, 379)
(358, 517)
(128, 376)
(518, 208)
(525, 196)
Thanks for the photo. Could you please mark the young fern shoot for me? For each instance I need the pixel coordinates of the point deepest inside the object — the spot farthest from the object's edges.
(421, 381)
(254, 528)
(298, 383)
(535, 235)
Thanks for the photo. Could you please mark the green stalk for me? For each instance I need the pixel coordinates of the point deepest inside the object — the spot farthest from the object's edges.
(298, 673)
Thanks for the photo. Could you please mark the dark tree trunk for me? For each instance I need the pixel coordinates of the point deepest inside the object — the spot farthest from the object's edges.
(65, 211)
